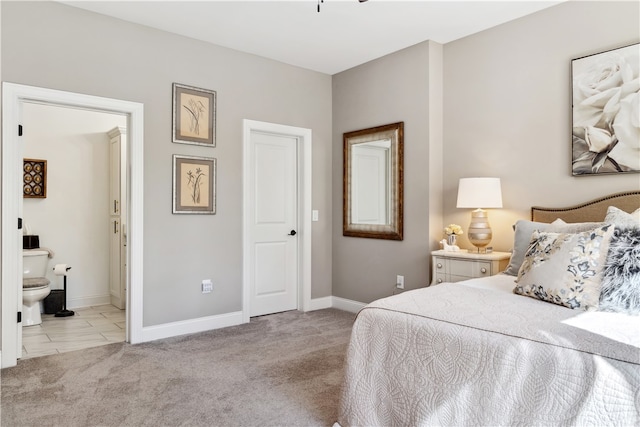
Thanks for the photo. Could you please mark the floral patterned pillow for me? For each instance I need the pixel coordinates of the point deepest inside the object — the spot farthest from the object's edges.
(565, 268)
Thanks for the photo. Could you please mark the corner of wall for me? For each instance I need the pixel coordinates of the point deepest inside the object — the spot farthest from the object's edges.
(436, 143)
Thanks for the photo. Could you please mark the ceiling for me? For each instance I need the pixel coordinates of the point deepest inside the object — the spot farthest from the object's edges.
(344, 34)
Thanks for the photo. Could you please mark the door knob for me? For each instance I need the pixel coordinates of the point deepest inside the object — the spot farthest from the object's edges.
(292, 233)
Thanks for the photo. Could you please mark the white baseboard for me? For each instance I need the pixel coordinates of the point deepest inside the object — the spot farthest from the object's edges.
(167, 330)
(88, 301)
(347, 304)
(336, 302)
(320, 303)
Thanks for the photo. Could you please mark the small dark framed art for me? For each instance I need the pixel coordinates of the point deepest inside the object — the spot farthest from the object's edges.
(34, 176)
(194, 115)
(194, 185)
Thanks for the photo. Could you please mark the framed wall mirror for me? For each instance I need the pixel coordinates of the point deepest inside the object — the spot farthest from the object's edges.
(372, 188)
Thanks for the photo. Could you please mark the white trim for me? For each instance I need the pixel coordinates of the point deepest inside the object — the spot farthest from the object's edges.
(192, 326)
(11, 263)
(90, 301)
(13, 95)
(347, 304)
(304, 202)
(320, 303)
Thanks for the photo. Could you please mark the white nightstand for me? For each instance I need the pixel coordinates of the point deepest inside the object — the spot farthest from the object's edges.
(456, 266)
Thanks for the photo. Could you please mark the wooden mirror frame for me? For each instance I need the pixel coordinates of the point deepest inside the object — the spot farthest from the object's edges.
(394, 229)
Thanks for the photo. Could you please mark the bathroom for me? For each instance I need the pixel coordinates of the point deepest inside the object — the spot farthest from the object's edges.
(75, 221)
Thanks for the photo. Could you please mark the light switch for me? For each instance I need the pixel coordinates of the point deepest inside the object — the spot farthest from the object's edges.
(314, 215)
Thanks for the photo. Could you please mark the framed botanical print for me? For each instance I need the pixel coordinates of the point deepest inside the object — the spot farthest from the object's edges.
(194, 185)
(606, 106)
(194, 115)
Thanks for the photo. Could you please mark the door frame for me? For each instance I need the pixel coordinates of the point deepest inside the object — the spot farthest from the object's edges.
(13, 96)
(304, 157)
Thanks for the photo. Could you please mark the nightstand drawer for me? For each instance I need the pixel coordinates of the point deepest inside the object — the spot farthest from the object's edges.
(452, 278)
(439, 278)
(458, 266)
(462, 268)
(481, 269)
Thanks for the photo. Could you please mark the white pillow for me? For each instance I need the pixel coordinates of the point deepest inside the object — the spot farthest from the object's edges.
(565, 268)
(575, 227)
(622, 219)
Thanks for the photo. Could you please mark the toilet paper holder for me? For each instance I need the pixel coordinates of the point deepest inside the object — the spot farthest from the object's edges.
(61, 270)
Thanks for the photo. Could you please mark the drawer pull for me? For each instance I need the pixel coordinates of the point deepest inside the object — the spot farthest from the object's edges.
(439, 280)
(483, 270)
(439, 265)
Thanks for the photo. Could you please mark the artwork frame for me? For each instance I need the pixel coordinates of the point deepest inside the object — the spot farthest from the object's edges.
(34, 179)
(194, 115)
(605, 100)
(191, 194)
(384, 144)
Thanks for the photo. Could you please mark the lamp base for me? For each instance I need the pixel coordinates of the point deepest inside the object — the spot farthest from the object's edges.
(479, 230)
(480, 250)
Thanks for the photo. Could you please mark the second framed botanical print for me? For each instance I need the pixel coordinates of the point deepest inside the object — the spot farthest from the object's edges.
(194, 185)
(194, 115)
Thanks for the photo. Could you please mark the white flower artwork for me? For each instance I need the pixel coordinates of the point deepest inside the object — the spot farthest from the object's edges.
(606, 112)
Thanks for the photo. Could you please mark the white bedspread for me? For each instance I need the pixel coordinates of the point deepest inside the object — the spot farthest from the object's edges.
(474, 353)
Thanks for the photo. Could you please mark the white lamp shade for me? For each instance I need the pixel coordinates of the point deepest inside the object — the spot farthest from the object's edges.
(479, 193)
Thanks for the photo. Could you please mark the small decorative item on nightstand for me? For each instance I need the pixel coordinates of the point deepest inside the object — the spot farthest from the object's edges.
(452, 231)
(457, 266)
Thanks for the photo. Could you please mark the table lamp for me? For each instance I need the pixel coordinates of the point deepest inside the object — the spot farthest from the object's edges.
(479, 193)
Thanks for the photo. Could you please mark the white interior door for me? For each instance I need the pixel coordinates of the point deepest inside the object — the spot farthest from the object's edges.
(274, 246)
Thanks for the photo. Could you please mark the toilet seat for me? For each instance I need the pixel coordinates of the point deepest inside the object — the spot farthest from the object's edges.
(35, 283)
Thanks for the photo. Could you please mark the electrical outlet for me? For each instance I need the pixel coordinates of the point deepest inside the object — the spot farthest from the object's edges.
(207, 286)
(400, 282)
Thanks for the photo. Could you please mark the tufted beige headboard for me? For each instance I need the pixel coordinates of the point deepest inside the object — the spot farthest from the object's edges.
(593, 211)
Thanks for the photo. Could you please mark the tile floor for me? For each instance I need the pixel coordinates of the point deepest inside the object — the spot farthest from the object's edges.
(88, 327)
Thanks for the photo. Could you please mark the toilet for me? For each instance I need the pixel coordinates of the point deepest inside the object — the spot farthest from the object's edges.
(35, 286)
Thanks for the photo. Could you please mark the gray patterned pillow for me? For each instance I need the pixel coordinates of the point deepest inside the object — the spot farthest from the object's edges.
(524, 229)
(565, 268)
(621, 279)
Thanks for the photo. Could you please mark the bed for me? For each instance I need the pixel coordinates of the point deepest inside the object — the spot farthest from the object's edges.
(476, 353)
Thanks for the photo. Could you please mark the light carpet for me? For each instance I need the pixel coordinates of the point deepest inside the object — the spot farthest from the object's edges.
(284, 369)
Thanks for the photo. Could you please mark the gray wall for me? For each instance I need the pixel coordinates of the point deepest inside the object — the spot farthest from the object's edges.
(387, 90)
(507, 113)
(51, 45)
(507, 109)
(507, 98)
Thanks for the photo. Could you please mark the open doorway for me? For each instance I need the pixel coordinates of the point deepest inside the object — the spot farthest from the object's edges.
(78, 213)
(14, 99)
